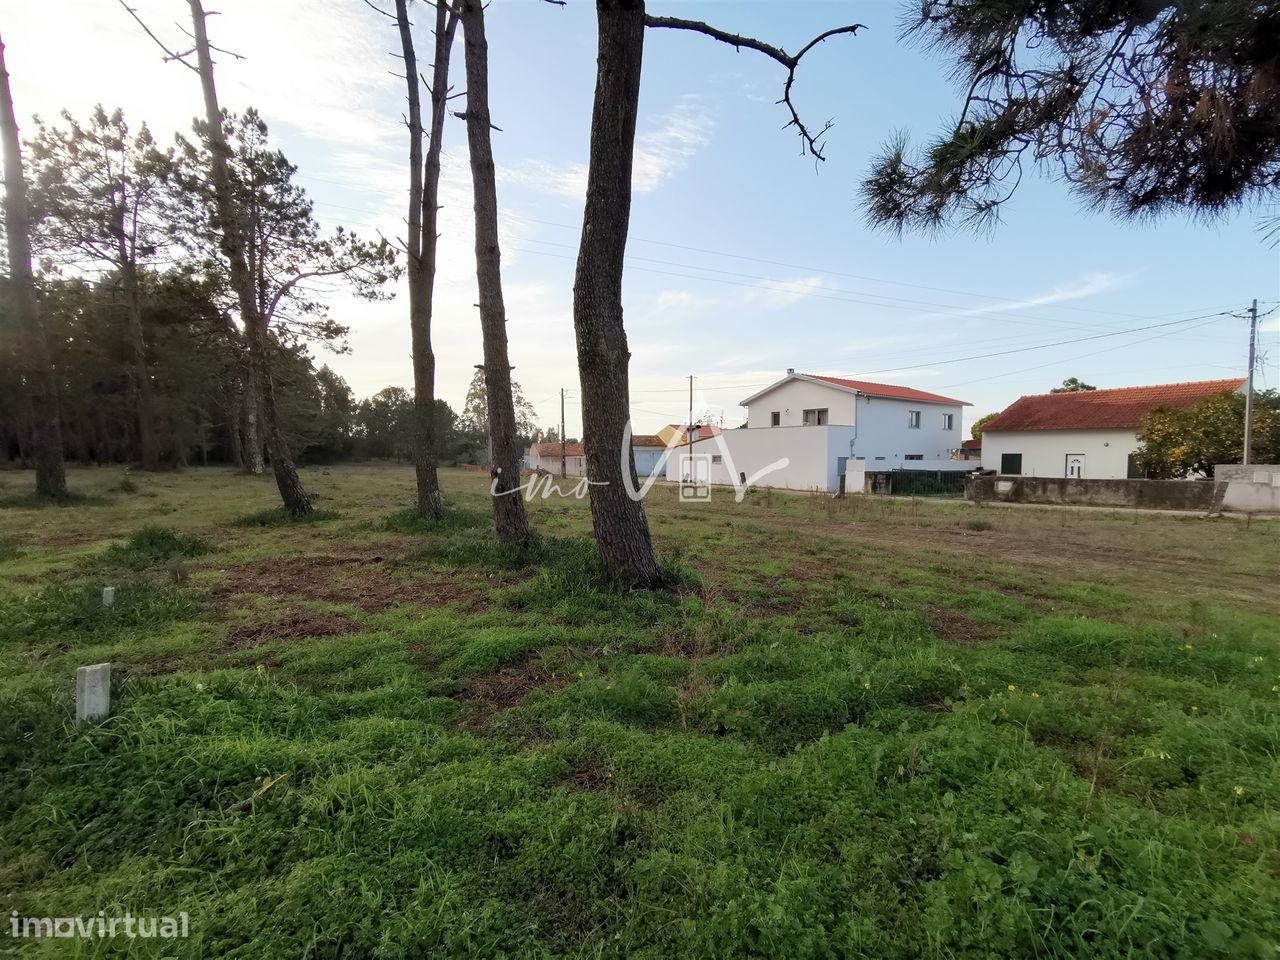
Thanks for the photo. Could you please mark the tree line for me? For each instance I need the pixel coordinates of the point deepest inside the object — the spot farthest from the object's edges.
(1141, 107)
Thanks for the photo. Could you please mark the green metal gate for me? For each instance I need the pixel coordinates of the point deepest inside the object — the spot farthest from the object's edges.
(927, 483)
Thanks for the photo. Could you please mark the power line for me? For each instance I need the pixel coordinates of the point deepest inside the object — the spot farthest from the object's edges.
(833, 273)
(984, 356)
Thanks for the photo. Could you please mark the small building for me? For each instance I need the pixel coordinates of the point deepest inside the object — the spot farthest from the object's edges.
(650, 453)
(805, 432)
(1085, 434)
(648, 450)
(968, 450)
(547, 457)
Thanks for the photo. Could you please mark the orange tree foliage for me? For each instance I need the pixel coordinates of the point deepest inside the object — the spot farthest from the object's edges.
(1177, 443)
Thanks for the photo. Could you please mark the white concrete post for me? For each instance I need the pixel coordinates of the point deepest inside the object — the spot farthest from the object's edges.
(93, 692)
(108, 596)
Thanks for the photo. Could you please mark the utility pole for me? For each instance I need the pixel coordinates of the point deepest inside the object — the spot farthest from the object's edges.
(562, 467)
(1248, 396)
(688, 424)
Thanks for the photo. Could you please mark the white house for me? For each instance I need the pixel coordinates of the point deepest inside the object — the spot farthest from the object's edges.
(823, 426)
(1087, 434)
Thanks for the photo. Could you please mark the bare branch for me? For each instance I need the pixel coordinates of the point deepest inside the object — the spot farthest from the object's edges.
(169, 54)
(462, 115)
(376, 9)
(810, 140)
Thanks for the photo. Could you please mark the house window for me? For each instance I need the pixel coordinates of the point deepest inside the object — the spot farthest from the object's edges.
(775, 419)
(913, 419)
(716, 458)
(914, 456)
(1011, 463)
(948, 421)
(815, 418)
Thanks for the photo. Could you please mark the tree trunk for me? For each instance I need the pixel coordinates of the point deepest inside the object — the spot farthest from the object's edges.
(509, 517)
(39, 374)
(253, 462)
(621, 527)
(292, 493)
(139, 375)
(424, 202)
(235, 444)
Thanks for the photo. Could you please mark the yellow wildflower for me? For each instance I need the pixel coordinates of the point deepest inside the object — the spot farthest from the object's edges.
(1034, 695)
(1239, 791)
(1013, 687)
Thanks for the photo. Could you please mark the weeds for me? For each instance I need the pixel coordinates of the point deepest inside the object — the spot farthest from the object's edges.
(279, 516)
(795, 750)
(152, 546)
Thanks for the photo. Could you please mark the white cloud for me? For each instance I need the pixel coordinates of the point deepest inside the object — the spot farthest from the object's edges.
(1088, 286)
(659, 154)
(778, 294)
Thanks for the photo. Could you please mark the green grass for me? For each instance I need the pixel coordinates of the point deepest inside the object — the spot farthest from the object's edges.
(848, 730)
(279, 516)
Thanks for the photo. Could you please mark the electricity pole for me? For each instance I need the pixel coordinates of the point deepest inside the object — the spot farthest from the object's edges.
(562, 468)
(1248, 396)
(688, 424)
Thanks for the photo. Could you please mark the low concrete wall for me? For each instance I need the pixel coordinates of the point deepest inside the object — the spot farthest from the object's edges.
(1251, 489)
(1147, 494)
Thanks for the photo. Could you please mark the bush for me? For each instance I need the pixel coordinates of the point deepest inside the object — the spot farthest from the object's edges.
(155, 545)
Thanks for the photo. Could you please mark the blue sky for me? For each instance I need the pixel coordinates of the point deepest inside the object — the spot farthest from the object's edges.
(745, 257)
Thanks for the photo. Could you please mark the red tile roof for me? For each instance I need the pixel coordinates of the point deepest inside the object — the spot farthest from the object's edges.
(704, 431)
(1120, 409)
(971, 444)
(553, 449)
(887, 390)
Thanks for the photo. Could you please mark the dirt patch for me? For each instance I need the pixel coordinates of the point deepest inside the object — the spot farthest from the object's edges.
(369, 582)
(587, 774)
(956, 626)
(298, 623)
(935, 706)
(490, 694)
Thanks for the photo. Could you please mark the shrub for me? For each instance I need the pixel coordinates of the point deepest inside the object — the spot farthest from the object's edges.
(154, 545)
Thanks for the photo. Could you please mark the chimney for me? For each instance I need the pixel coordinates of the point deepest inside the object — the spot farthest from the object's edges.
(790, 371)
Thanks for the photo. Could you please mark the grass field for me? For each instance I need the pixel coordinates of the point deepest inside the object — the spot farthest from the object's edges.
(869, 728)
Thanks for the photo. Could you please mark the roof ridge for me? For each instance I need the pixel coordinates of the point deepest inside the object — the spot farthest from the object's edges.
(1145, 386)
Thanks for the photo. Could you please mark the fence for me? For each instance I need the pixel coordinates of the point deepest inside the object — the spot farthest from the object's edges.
(925, 483)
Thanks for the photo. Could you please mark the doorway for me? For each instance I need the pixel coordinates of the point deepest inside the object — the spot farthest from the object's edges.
(1075, 466)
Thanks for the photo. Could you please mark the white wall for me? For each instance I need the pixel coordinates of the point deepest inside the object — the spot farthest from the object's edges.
(1044, 452)
(883, 431)
(1251, 489)
(811, 452)
(794, 397)
(573, 466)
